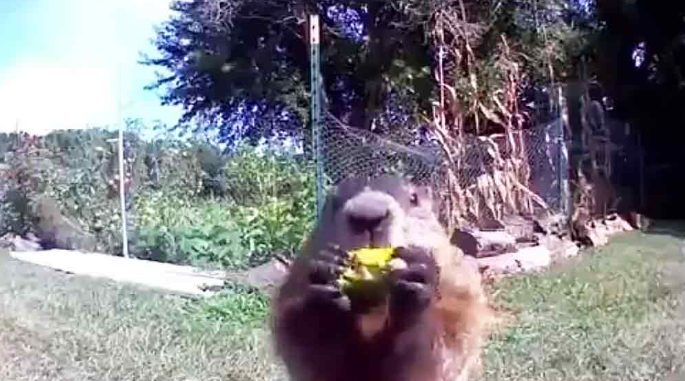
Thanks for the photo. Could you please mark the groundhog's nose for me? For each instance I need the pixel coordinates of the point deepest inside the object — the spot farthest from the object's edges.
(367, 212)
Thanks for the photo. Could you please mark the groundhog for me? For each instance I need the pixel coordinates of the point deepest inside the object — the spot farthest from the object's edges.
(429, 326)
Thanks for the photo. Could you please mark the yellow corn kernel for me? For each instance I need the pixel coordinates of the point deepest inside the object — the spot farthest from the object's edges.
(368, 266)
(374, 257)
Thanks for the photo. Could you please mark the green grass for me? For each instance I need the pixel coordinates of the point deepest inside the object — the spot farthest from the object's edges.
(55, 326)
(614, 314)
(239, 307)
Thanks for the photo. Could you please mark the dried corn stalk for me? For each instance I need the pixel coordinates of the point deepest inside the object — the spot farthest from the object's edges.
(500, 186)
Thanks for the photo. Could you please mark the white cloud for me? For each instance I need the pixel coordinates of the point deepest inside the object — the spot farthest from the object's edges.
(67, 76)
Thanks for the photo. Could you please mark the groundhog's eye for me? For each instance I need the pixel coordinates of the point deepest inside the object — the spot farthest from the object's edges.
(414, 199)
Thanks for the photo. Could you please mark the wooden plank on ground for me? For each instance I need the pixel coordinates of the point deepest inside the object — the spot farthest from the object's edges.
(183, 280)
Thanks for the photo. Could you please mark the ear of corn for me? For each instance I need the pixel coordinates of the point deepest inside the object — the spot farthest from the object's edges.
(374, 257)
(368, 266)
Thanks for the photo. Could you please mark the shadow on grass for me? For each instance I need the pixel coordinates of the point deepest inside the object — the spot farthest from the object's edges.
(673, 228)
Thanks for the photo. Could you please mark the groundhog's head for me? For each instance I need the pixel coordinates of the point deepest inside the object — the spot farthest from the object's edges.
(384, 211)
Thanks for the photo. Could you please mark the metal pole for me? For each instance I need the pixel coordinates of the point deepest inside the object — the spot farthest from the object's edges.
(122, 168)
(122, 173)
(315, 82)
(566, 203)
(122, 190)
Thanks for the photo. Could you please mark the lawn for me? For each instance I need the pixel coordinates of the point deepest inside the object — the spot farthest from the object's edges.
(55, 326)
(614, 314)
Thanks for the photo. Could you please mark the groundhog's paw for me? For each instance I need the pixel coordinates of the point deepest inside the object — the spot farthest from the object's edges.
(421, 266)
(413, 287)
(325, 267)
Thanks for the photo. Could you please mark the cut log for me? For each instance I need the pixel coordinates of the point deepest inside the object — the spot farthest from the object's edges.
(500, 265)
(17, 243)
(636, 220)
(479, 244)
(597, 235)
(570, 249)
(533, 258)
(521, 228)
(524, 260)
(550, 224)
(266, 277)
(471, 263)
(22, 244)
(559, 248)
(617, 224)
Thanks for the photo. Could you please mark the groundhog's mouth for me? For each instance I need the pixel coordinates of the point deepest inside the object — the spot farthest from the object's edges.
(378, 243)
(372, 240)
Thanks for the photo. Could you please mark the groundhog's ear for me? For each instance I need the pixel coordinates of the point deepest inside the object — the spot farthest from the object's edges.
(424, 192)
(427, 198)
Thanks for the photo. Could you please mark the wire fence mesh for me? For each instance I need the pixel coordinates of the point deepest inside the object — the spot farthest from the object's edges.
(414, 153)
(348, 151)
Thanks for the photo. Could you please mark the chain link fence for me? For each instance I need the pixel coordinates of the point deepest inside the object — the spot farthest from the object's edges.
(549, 162)
(348, 151)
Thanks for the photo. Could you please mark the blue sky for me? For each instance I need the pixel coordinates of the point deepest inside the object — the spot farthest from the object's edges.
(59, 63)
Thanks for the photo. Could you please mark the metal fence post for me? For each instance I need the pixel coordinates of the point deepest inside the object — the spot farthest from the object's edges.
(566, 203)
(122, 168)
(315, 82)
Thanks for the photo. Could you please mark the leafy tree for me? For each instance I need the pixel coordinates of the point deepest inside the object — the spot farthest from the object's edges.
(640, 58)
(244, 64)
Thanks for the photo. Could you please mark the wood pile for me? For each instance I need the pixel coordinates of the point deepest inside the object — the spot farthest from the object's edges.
(14, 242)
(599, 231)
(527, 244)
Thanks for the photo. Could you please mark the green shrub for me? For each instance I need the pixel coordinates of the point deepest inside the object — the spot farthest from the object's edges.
(164, 209)
(276, 197)
(208, 246)
(10, 221)
(277, 227)
(255, 177)
(189, 231)
(268, 205)
(270, 209)
(172, 229)
(173, 167)
(66, 166)
(15, 216)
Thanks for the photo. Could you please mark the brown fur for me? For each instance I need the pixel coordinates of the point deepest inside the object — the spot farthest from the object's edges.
(444, 343)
